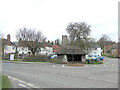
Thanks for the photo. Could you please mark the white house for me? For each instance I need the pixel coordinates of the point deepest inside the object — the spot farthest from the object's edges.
(46, 51)
(8, 49)
(22, 50)
(95, 51)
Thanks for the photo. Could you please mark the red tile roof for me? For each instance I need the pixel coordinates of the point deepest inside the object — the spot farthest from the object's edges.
(56, 48)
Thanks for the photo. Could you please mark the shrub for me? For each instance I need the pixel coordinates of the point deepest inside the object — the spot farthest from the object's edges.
(36, 58)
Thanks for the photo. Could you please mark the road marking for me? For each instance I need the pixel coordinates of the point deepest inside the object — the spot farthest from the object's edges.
(9, 77)
(95, 65)
(21, 81)
(22, 85)
(14, 78)
(62, 65)
(104, 65)
(37, 87)
(53, 65)
(30, 85)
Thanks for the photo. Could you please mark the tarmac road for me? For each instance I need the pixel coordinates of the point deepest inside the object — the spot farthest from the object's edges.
(47, 75)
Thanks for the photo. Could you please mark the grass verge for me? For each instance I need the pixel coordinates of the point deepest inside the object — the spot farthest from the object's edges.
(109, 56)
(5, 83)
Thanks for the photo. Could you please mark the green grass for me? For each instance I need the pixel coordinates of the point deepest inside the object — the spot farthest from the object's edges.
(4, 82)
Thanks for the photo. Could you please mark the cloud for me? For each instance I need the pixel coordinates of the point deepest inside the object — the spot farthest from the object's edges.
(52, 16)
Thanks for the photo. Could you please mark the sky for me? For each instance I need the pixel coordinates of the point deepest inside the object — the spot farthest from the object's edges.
(52, 17)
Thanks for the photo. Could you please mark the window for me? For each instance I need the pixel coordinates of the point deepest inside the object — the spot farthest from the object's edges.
(13, 47)
(22, 48)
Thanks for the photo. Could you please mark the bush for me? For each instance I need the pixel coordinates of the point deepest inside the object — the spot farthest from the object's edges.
(36, 58)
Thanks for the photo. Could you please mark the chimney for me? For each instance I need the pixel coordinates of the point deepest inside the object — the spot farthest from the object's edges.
(8, 39)
(48, 41)
(64, 40)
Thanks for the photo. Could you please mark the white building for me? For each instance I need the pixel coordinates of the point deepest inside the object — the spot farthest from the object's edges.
(22, 50)
(95, 51)
(46, 51)
(8, 49)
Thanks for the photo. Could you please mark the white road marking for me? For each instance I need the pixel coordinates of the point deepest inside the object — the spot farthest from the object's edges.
(14, 78)
(104, 65)
(36, 87)
(9, 77)
(95, 65)
(22, 85)
(53, 65)
(62, 65)
(30, 85)
(21, 81)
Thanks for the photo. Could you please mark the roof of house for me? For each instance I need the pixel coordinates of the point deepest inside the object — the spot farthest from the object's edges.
(5, 42)
(108, 47)
(71, 50)
(41, 44)
(47, 44)
(56, 48)
(22, 43)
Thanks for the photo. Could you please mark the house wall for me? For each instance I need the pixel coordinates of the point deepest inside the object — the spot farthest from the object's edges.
(96, 52)
(9, 49)
(46, 51)
(83, 58)
(22, 50)
(62, 58)
(116, 52)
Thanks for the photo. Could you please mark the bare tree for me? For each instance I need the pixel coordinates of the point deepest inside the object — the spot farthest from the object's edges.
(78, 35)
(105, 40)
(31, 38)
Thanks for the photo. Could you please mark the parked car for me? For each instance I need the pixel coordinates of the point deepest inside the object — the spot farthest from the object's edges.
(96, 57)
(53, 56)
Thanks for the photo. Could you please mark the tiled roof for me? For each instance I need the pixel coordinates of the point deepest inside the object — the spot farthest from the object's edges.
(5, 42)
(71, 50)
(56, 48)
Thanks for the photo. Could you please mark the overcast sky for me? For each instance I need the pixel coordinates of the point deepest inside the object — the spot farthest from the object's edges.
(52, 16)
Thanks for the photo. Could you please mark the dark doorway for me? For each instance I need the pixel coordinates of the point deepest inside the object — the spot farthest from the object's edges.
(74, 57)
(69, 57)
(77, 57)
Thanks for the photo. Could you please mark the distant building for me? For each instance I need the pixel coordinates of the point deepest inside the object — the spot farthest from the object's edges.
(68, 53)
(7, 47)
(107, 49)
(56, 48)
(116, 50)
(46, 49)
(96, 50)
(71, 53)
(64, 40)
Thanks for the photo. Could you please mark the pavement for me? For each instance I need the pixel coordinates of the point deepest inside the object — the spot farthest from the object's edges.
(48, 75)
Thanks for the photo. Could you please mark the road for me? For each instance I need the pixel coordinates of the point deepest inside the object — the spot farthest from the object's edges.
(47, 75)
